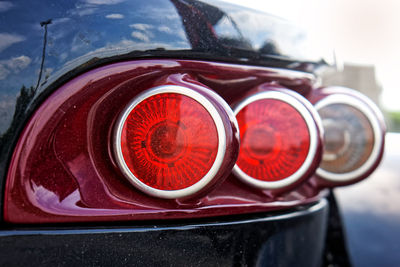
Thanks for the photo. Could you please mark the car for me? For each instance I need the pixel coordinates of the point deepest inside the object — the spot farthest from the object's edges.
(181, 132)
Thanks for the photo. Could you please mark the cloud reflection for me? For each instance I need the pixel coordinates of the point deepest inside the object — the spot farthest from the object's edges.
(104, 2)
(8, 39)
(5, 5)
(114, 16)
(13, 65)
(141, 36)
(141, 26)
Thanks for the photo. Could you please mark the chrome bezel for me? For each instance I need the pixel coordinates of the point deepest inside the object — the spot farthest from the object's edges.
(370, 113)
(308, 115)
(171, 194)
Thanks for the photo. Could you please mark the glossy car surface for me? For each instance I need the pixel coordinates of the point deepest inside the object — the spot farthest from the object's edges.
(82, 152)
(267, 240)
(72, 47)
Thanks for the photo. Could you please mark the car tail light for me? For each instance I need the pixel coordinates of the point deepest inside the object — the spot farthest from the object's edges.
(280, 140)
(106, 144)
(170, 141)
(354, 136)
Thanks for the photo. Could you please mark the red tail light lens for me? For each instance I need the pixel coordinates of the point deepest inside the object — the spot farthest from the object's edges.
(353, 140)
(279, 140)
(170, 141)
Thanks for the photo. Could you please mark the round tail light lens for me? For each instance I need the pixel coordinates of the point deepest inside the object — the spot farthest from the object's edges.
(170, 141)
(353, 139)
(279, 139)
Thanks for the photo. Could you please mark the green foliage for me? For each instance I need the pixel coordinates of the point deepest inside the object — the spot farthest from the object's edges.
(393, 118)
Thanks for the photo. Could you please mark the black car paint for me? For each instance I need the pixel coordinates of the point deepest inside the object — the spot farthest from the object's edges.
(286, 239)
(50, 42)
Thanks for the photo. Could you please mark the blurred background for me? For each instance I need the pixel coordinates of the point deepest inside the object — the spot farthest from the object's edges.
(365, 37)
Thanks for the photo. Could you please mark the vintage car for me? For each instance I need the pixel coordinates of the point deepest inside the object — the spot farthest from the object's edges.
(172, 133)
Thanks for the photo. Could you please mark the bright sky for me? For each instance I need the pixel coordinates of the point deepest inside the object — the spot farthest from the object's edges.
(361, 31)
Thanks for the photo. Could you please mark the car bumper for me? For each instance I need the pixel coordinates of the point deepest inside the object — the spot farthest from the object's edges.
(294, 238)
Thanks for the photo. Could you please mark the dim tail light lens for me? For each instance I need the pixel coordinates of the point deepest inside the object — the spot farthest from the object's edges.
(279, 139)
(170, 141)
(353, 139)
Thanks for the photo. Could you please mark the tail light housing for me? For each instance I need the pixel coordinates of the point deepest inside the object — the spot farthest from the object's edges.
(354, 136)
(156, 139)
(280, 139)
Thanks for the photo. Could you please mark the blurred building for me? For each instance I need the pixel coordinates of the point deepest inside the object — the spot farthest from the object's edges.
(359, 77)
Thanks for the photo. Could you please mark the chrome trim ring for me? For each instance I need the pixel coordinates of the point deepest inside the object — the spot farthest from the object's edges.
(308, 115)
(370, 112)
(171, 194)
